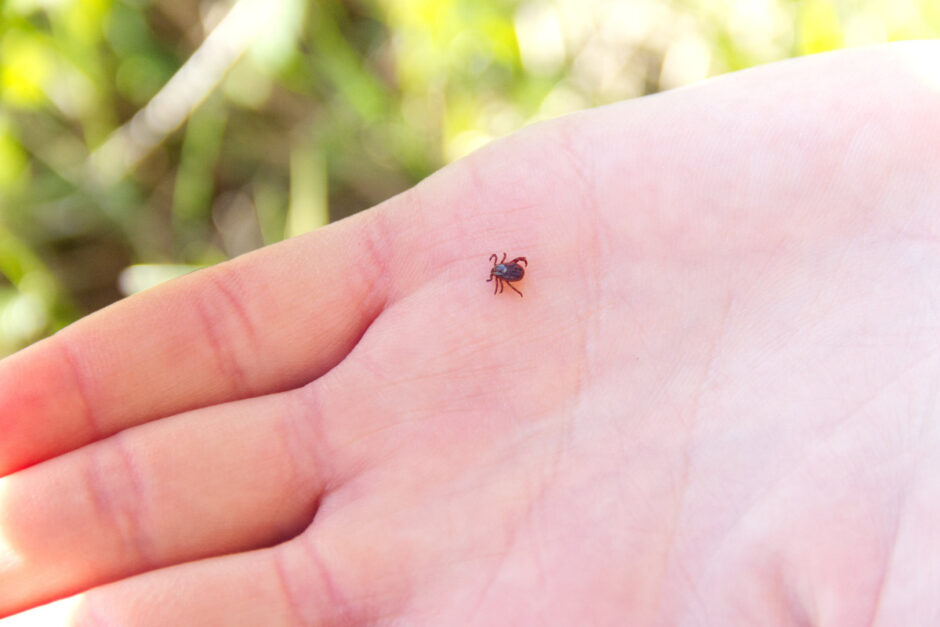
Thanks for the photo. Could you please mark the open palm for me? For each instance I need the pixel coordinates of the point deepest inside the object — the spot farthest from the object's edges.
(716, 402)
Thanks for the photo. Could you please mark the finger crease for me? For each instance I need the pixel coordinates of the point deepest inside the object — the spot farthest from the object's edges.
(303, 439)
(217, 337)
(377, 243)
(342, 610)
(284, 581)
(89, 415)
(117, 488)
(237, 306)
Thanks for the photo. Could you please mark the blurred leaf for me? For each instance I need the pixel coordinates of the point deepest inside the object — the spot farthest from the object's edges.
(820, 30)
(22, 319)
(247, 86)
(28, 62)
(140, 277)
(309, 208)
(13, 159)
(342, 65)
(83, 19)
(141, 76)
(195, 180)
(270, 202)
(127, 31)
(277, 45)
(33, 304)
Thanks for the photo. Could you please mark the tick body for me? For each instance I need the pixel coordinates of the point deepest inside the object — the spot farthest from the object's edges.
(507, 273)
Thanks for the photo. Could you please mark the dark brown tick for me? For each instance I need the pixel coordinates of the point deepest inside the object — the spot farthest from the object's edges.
(506, 273)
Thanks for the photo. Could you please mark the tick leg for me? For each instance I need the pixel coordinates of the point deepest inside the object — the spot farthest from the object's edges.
(518, 259)
(514, 289)
(493, 258)
(489, 279)
(496, 285)
(504, 258)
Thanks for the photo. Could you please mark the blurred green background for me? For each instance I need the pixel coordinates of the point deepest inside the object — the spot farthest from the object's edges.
(142, 138)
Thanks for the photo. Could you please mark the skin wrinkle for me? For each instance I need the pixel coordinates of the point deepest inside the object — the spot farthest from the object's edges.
(541, 487)
(413, 203)
(680, 500)
(841, 255)
(304, 439)
(714, 354)
(119, 510)
(380, 239)
(910, 337)
(362, 359)
(221, 278)
(530, 521)
(590, 320)
(284, 584)
(486, 204)
(376, 296)
(496, 197)
(340, 604)
(226, 362)
(799, 613)
(592, 278)
(758, 279)
(550, 478)
(846, 420)
(595, 281)
(691, 428)
(362, 436)
(930, 409)
(525, 519)
(692, 588)
(143, 535)
(890, 554)
(479, 183)
(901, 506)
(462, 239)
(378, 377)
(688, 460)
(790, 592)
(512, 539)
(796, 466)
(502, 557)
(81, 385)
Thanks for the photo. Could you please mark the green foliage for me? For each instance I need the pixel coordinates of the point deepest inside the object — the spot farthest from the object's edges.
(140, 139)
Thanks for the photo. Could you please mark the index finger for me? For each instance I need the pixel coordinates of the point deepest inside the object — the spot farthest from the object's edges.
(265, 322)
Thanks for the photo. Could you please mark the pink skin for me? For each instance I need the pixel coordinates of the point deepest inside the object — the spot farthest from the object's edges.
(718, 407)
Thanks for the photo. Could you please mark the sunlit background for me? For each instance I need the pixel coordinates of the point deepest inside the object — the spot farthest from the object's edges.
(142, 138)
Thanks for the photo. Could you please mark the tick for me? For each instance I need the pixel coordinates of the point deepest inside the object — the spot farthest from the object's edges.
(506, 273)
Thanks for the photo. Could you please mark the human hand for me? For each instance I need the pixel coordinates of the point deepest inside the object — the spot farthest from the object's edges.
(716, 402)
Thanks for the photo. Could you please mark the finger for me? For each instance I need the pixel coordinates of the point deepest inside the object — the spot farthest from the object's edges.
(226, 478)
(262, 323)
(265, 587)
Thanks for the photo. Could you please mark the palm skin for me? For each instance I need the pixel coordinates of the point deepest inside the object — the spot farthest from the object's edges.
(716, 403)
